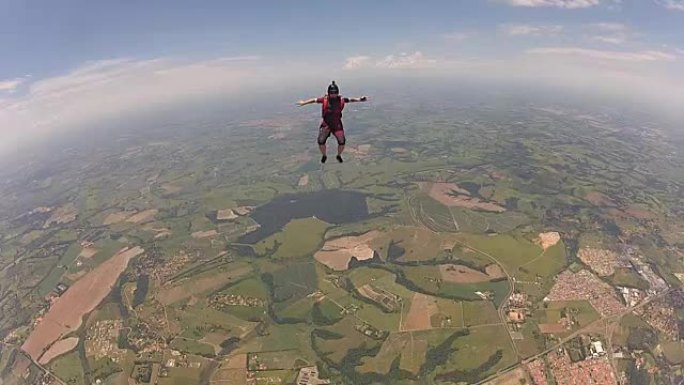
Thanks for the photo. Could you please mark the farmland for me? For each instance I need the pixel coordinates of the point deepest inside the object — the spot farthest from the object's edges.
(434, 258)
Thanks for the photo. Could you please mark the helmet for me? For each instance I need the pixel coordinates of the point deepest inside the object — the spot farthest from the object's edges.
(333, 89)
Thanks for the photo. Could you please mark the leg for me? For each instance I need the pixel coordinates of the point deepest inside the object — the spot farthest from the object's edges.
(341, 141)
(323, 135)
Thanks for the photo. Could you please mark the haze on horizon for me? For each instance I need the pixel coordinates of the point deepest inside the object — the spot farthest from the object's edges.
(72, 63)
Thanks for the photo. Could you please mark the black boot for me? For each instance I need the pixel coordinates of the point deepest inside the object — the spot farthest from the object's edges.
(324, 158)
(339, 158)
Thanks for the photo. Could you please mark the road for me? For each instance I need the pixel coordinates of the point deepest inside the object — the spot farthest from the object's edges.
(579, 332)
(49, 373)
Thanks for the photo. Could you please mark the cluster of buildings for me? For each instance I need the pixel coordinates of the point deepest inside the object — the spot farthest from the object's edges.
(351, 309)
(595, 370)
(309, 376)
(601, 261)
(147, 339)
(180, 360)
(257, 372)
(390, 302)
(102, 340)
(162, 272)
(656, 283)
(370, 331)
(537, 371)
(255, 364)
(517, 308)
(632, 296)
(220, 302)
(661, 315)
(148, 370)
(584, 285)
(486, 296)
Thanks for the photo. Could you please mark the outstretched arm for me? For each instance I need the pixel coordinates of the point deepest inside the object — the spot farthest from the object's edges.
(305, 102)
(361, 99)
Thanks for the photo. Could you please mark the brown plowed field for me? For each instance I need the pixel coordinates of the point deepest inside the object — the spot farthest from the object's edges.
(423, 307)
(80, 299)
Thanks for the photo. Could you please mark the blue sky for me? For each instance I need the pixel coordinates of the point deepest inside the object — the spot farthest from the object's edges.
(64, 62)
(47, 37)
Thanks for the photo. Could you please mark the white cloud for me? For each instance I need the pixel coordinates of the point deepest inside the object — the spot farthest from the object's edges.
(356, 62)
(609, 33)
(623, 56)
(569, 4)
(531, 30)
(611, 39)
(673, 4)
(456, 36)
(104, 89)
(10, 85)
(608, 27)
(405, 61)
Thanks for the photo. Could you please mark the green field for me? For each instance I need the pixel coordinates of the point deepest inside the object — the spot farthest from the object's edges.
(580, 311)
(299, 238)
(282, 337)
(365, 275)
(192, 347)
(394, 346)
(339, 339)
(479, 312)
(533, 341)
(628, 278)
(294, 311)
(68, 368)
(198, 320)
(450, 313)
(510, 250)
(674, 352)
(473, 350)
(250, 287)
(292, 282)
(181, 376)
(276, 360)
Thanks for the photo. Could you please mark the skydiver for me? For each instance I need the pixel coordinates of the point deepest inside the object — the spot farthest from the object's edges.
(333, 104)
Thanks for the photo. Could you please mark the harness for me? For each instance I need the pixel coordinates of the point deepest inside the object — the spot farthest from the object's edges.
(326, 109)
